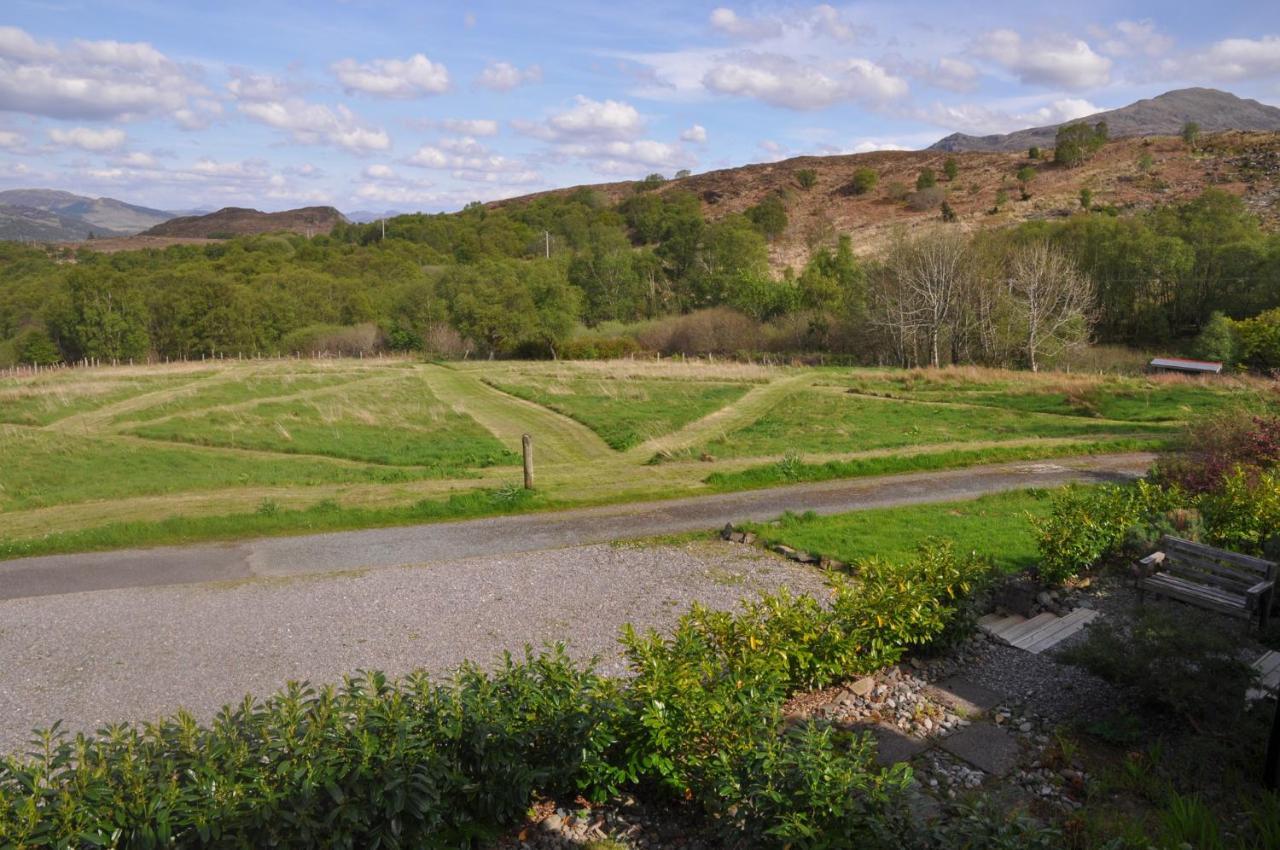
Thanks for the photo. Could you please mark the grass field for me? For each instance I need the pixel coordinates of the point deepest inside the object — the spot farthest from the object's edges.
(109, 457)
(995, 526)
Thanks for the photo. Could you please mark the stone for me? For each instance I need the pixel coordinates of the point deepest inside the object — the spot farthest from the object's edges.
(726, 532)
(784, 551)
(863, 686)
(552, 823)
(985, 746)
(803, 558)
(749, 537)
(892, 746)
(1017, 596)
(1045, 598)
(965, 697)
(1025, 726)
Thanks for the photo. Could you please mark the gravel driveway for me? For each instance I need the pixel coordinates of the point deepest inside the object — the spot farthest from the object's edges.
(136, 653)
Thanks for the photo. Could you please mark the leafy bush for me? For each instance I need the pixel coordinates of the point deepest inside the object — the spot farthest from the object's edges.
(807, 178)
(864, 180)
(1243, 514)
(598, 348)
(1088, 525)
(927, 198)
(1216, 446)
(1259, 340)
(334, 340)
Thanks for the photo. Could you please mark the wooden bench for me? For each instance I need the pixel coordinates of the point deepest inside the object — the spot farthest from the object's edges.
(1215, 579)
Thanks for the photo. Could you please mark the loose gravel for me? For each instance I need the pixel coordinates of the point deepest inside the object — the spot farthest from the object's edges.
(135, 654)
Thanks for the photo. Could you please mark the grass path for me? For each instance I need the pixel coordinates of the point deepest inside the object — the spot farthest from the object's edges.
(557, 439)
(746, 410)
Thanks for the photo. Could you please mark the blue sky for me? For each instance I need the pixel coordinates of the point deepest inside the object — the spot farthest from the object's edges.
(418, 105)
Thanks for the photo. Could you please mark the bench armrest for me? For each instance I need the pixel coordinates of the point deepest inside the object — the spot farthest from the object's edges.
(1259, 589)
(1144, 567)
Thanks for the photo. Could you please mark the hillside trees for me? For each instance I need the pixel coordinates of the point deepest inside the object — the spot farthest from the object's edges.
(1076, 143)
(916, 296)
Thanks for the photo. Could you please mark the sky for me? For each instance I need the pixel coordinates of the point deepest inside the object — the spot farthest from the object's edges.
(383, 105)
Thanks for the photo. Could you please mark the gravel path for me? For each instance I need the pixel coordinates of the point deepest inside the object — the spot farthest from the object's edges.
(137, 653)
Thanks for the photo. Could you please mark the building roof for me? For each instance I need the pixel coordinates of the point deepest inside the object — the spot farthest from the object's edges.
(1180, 364)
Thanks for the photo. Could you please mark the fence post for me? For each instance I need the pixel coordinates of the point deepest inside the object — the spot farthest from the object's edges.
(526, 442)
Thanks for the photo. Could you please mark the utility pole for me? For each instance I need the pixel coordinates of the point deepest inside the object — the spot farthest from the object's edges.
(526, 443)
(383, 222)
(547, 235)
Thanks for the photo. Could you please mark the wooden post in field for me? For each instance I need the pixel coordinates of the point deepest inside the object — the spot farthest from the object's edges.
(527, 442)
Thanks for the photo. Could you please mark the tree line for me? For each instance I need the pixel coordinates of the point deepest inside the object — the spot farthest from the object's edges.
(524, 279)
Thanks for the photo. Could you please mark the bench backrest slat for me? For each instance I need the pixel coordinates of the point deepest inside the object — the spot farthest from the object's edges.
(1218, 562)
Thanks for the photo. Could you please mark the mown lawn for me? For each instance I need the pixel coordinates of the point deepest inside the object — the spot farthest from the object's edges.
(43, 468)
(996, 526)
(44, 401)
(232, 390)
(627, 411)
(397, 421)
(829, 421)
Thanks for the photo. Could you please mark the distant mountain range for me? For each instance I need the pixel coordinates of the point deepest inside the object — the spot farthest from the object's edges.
(366, 216)
(238, 221)
(47, 215)
(1165, 115)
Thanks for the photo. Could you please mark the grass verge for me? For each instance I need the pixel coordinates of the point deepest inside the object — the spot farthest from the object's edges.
(793, 470)
(270, 520)
(996, 526)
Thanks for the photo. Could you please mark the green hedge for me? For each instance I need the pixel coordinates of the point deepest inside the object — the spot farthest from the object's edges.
(414, 763)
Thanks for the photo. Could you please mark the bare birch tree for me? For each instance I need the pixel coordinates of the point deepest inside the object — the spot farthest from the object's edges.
(1051, 299)
(932, 270)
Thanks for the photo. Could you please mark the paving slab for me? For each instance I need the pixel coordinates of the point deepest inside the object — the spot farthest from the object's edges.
(892, 746)
(986, 746)
(965, 697)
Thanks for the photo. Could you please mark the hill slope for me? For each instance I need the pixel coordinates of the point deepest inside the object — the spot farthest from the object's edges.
(1244, 164)
(238, 221)
(55, 216)
(1215, 111)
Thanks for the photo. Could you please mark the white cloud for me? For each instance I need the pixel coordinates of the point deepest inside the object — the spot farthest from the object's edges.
(18, 44)
(138, 159)
(414, 77)
(467, 159)
(947, 73)
(697, 133)
(587, 118)
(247, 86)
(1233, 59)
(982, 120)
(471, 126)
(380, 172)
(90, 80)
(88, 139)
(503, 76)
(783, 81)
(727, 21)
(10, 140)
(1129, 38)
(1055, 61)
(822, 21)
(313, 124)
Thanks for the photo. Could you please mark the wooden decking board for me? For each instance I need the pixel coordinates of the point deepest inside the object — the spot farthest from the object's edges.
(1039, 621)
(1060, 631)
(1268, 667)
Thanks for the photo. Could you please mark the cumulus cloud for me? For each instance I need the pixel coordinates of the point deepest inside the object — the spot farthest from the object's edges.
(822, 20)
(414, 77)
(697, 133)
(982, 120)
(1053, 61)
(1233, 59)
(245, 85)
(314, 124)
(90, 80)
(727, 21)
(380, 172)
(503, 76)
(587, 118)
(1132, 38)
(12, 141)
(138, 159)
(471, 126)
(88, 139)
(782, 81)
(467, 159)
(946, 73)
